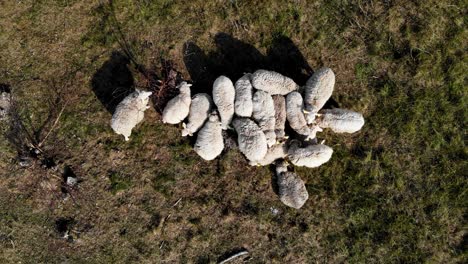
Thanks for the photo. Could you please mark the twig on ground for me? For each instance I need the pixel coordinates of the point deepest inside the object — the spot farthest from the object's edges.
(242, 253)
(177, 202)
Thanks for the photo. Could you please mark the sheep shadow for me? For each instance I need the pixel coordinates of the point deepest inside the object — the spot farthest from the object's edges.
(234, 57)
(113, 81)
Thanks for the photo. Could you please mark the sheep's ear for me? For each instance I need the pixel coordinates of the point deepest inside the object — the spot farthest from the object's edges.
(184, 125)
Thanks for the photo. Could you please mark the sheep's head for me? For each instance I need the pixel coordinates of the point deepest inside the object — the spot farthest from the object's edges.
(142, 98)
(214, 117)
(313, 131)
(184, 87)
(143, 95)
(281, 166)
(186, 131)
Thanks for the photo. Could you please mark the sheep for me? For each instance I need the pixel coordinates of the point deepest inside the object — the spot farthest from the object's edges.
(291, 189)
(243, 102)
(295, 115)
(200, 108)
(129, 113)
(280, 116)
(340, 120)
(223, 96)
(311, 156)
(264, 114)
(177, 109)
(273, 82)
(277, 151)
(317, 91)
(210, 142)
(251, 139)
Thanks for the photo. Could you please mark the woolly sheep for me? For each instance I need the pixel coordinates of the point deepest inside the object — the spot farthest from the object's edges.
(178, 107)
(291, 188)
(251, 139)
(317, 91)
(340, 120)
(295, 114)
(200, 108)
(311, 156)
(129, 113)
(273, 82)
(277, 151)
(280, 116)
(243, 102)
(264, 114)
(223, 96)
(210, 142)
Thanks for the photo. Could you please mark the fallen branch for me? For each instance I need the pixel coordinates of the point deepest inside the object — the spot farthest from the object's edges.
(53, 126)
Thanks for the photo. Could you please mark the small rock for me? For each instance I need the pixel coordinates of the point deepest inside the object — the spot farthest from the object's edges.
(72, 181)
(25, 162)
(5, 104)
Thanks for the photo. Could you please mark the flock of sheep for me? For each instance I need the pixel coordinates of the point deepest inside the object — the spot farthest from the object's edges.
(257, 107)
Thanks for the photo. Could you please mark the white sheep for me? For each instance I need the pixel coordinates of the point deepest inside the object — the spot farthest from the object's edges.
(291, 188)
(129, 113)
(340, 120)
(243, 101)
(311, 156)
(295, 115)
(251, 139)
(264, 114)
(223, 96)
(280, 116)
(277, 151)
(200, 108)
(210, 141)
(273, 82)
(317, 91)
(177, 109)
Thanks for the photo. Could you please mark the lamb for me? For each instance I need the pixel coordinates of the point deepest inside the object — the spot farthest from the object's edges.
(277, 151)
(291, 188)
(200, 108)
(264, 115)
(223, 97)
(295, 115)
(129, 113)
(251, 139)
(177, 109)
(317, 91)
(340, 120)
(280, 116)
(311, 156)
(243, 102)
(273, 82)
(210, 142)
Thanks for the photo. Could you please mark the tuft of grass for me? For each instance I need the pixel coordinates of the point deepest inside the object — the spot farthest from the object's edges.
(118, 182)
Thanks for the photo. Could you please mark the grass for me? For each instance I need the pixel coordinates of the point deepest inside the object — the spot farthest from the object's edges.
(393, 193)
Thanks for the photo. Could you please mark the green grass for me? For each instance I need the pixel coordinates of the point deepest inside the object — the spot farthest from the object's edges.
(393, 193)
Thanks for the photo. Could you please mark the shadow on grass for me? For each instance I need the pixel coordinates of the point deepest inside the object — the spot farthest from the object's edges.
(233, 58)
(113, 81)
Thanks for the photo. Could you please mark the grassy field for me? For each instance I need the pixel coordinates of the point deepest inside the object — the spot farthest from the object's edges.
(395, 192)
